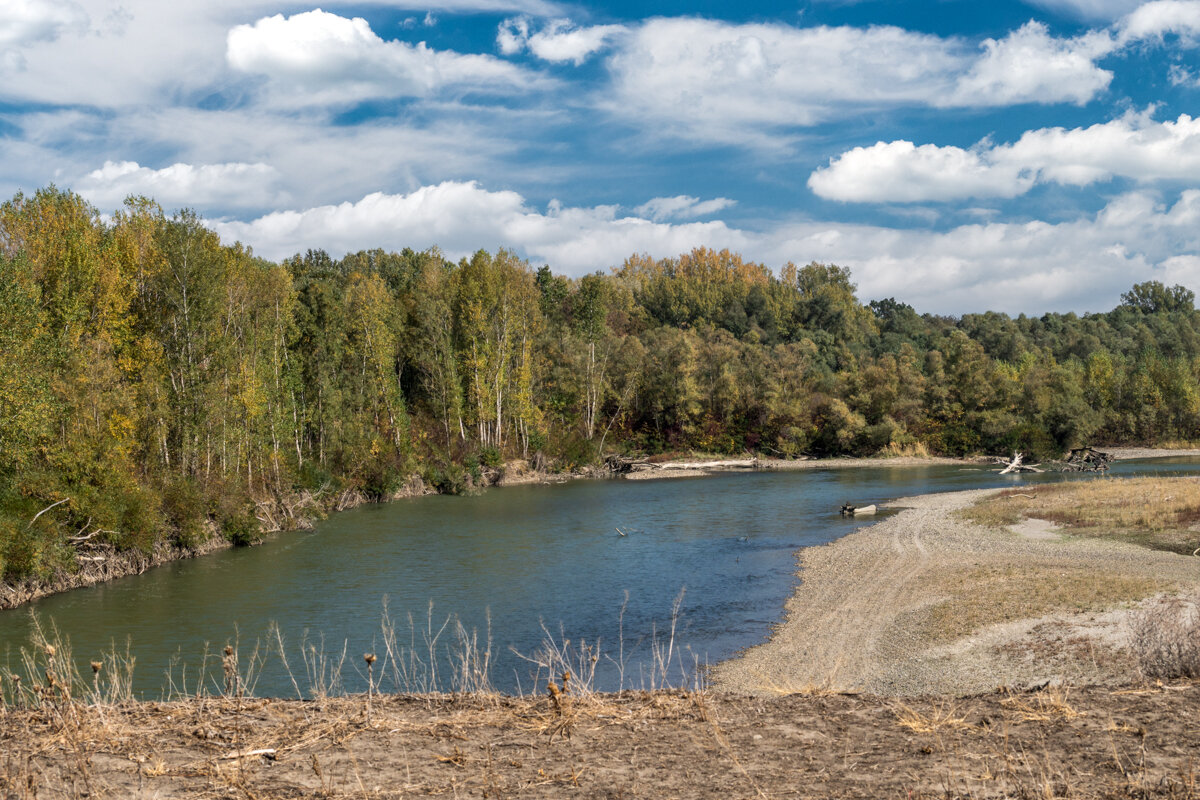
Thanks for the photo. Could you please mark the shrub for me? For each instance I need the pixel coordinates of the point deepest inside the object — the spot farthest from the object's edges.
(490, 457)
(314, 477)
(381, 480)
(450, 479)
(183, 506)
(242, 528)
(141, 520)
(1166, 638)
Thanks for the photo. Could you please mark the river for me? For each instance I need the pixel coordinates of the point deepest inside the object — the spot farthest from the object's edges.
(518, 561)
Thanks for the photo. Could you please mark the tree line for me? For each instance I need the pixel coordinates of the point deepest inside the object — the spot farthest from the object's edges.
(160, 381)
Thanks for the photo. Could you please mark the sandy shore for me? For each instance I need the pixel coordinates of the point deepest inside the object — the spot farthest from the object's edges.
(877, 611)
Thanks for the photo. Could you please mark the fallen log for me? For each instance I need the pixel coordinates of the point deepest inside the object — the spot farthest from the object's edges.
(1017, 465)
(749, 463)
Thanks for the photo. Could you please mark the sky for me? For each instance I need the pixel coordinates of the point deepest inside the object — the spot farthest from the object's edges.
(957, 155)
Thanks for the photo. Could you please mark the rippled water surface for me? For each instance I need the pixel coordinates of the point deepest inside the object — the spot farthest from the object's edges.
(521, 556)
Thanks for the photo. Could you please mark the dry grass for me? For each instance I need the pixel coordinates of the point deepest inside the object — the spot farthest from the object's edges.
(1159, 513)
(984, 596)
(913, 450)
(1043, 706)
(942, 716)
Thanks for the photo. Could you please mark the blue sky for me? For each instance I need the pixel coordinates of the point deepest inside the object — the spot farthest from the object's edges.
(957, 155)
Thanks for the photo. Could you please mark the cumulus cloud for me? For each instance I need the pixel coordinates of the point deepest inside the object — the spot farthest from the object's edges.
(1134, 147)
(234, 185)
(1083, 264)
(1080, 265)
(558, 41)
(1031, 66)
(460, 217)
(1161, 17)
(682, 207)
(319, 57)
(732, 83)
(901, 172)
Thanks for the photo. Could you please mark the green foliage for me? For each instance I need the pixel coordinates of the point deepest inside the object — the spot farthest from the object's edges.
(184, 508)
(241, 528)
(165, 381)
(490, 457)
(449, 478)
(381, 479)
(1152, 297)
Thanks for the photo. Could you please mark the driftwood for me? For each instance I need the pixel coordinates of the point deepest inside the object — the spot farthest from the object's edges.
(1017, 464)
(856, 511)
(1087, 459)
(749, 463)
(621, 464)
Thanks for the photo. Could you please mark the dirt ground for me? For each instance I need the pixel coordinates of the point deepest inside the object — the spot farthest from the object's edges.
(1086, 743)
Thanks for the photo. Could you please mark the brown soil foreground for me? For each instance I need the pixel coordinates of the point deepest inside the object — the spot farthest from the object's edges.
(1087, 743)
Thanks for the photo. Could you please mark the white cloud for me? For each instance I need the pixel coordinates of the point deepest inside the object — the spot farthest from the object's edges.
(682, 207)
(1079, 265)
(1031, 66)
(724, 82)
(26, 21)
(461, 217)
(1134, 147)
(1083, 264)
(558, 41)
(318, 57)
(315, 162)
(743, 84)
(901, 172)
(1156, 19)
(235, 185)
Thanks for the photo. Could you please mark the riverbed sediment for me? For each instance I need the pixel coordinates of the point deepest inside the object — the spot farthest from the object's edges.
(923, 603)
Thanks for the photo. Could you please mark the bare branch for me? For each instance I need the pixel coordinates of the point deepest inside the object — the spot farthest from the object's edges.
(47, 508)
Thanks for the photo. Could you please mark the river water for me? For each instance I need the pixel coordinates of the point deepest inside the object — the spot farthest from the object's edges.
(520, 562)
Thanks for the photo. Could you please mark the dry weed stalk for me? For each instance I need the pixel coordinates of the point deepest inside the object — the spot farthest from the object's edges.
(370, 659)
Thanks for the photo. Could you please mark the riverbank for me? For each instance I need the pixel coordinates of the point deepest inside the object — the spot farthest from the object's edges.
(928, 603)
(1085, 743)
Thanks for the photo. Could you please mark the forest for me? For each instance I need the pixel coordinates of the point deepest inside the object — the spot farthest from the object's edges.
(157, 385)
